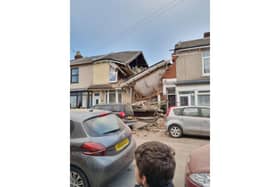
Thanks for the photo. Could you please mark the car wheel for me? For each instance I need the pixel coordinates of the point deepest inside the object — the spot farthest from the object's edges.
(78, 178)
(175, 131)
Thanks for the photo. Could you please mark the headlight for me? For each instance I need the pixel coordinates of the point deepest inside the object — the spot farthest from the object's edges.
(202, 179)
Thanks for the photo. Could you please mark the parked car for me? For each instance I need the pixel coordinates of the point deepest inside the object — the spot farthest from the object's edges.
(198, 168)
(124, 111)
(101, 147)
(192, 120)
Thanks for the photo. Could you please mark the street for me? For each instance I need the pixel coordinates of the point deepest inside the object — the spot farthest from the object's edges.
(182, 146)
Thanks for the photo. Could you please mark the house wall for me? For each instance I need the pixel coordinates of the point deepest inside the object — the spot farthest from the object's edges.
(151, 83)
(85, 77)
(100, 73)
(189, 66)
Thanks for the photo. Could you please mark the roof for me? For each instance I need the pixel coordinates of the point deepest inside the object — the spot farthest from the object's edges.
(123, 57)
(192, 43)
(187, 82)
(80, 116)
(152, 68)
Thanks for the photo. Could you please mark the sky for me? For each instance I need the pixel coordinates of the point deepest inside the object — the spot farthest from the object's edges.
(151, 26)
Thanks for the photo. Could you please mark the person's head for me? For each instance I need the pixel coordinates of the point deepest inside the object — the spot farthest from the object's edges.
(155, 164)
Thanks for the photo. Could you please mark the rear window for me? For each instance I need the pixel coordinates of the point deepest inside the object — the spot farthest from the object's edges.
(117, 108)
(178, 111)
(103, 107)
(101, 126)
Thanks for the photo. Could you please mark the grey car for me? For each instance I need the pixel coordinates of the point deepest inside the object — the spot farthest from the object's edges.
(193, 120)
(124, 111)
(101, 147)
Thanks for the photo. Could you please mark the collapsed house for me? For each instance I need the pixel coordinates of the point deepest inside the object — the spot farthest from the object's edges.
(121, 77)
(147, 86)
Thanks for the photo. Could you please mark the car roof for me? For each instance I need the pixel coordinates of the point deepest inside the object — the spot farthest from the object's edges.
(80, 116)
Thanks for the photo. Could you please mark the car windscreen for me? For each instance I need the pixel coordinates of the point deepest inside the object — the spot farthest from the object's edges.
(103, 125)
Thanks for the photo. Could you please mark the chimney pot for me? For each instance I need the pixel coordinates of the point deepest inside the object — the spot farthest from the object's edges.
(206, 35)
(78, 55)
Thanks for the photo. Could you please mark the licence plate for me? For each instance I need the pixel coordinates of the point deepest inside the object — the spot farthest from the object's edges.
(121, 144)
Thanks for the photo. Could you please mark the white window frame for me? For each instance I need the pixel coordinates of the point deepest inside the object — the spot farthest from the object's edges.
(205, 93)
(205, 57)
(116, 80)
(190, 101)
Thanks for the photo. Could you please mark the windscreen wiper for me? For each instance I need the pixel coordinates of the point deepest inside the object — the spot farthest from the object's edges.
(115, 130)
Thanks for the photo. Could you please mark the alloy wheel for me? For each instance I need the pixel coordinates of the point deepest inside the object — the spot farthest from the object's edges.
(76, 180)
(175, 131)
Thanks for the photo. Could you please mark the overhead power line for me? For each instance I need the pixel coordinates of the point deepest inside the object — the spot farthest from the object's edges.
(129, 30)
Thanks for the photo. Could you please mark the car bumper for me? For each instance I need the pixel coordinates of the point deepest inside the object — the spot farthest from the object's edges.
(190, 183)
(102, 169)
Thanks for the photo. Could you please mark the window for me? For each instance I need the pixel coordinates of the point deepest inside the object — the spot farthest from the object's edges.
(120, 96)
(205, 112)
(74, 75)
(103, 125)
(193, 112)
(171, 91)
(203, 98)
(178, 111)
(187, 98)
(113, 74)
(184, 100)
(112, 97)
(75, 100)
(206, 63)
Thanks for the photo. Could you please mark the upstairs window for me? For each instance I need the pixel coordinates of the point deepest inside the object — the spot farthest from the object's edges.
(113, 74)
(74, 75)
(206, 63)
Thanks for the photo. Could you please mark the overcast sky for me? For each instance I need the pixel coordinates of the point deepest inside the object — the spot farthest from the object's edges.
(152, 26)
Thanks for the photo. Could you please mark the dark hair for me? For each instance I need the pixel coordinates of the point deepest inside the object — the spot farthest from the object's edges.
(156, 162)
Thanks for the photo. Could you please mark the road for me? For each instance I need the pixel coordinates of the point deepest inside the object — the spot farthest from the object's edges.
(182, 146)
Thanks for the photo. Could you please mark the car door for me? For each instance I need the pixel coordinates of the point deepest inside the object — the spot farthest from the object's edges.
(191, 120)
(205, 124)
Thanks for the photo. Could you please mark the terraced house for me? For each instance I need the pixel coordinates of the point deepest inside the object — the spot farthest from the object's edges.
(98, 79)
(192, 84)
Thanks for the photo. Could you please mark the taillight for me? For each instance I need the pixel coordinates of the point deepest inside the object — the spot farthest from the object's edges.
(168, 111)
(121, 114)
(93, 149)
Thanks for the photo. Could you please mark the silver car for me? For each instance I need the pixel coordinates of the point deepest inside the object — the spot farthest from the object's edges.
(193, 120)
(101, 147)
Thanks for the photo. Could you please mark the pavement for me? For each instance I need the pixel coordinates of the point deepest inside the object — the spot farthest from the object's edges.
(182, 146)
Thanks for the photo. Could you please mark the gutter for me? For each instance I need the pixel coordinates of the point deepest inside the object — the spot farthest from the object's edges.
(191, 48)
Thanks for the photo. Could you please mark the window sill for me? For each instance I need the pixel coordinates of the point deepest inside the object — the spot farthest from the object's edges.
(205, 75)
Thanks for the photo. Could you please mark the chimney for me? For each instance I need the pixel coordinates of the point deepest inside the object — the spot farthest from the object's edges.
(78, 55)
(206, 35)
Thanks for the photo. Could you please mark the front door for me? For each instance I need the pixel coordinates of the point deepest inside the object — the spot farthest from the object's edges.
(96, 98)
(171, 100)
